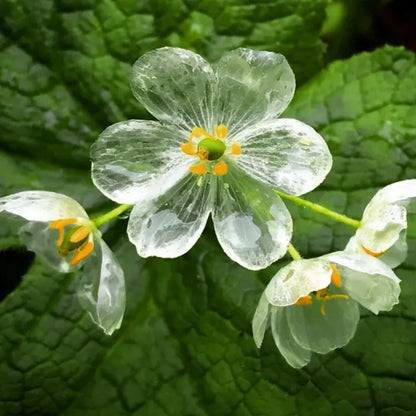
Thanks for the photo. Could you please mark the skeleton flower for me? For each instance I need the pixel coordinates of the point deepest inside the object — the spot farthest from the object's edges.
(313, 303)
(217, 149)
(61, 233)
(383, 227)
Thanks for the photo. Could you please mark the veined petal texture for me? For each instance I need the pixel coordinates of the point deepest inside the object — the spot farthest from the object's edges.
(168, 226)
(285, 154)
(42, 206)
(252, 223)
(260, 318)
(298, 279)
(177, 86)
(253, 86)
(136, 159)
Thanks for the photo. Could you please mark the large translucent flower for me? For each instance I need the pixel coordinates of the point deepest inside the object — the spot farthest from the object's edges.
(217, 148)
(61, 233)
(313, 303)
(383, 227)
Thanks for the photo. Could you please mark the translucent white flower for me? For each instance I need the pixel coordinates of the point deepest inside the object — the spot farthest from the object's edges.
(217, 148)
(383, 227)
(61, 233)
(313, 303)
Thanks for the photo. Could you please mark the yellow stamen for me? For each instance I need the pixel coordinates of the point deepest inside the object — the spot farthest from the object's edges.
(62, 223)
(372, 253)
(203, 153)
(304, 300)
(220, 169)
(335, 277)
(329, 297)
(321, 294)
(80, 234)
(188, 149)
(236, 149)
(198, 169)
(221, 131)
(199, 132)
(84, 251)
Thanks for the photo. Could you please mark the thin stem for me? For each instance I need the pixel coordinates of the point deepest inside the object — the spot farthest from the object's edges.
(293, 252)
(321, 210)
(110, 215)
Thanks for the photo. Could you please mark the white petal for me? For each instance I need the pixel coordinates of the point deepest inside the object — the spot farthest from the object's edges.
(323, 333)
(294, 354)
(253, 86)
(170, 225)
(42, 206)
(252, 224)
(367, 280)
(298, 279)
(399, 192)
(394, 256)
(176, 86)
(103, 291)
(41, 239)
(285, 154)
(260, 319)
(136, 159)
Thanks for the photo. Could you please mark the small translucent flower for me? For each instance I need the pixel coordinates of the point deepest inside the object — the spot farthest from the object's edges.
(61, 233)
(383, 227)
(217, 149)
(313, 303)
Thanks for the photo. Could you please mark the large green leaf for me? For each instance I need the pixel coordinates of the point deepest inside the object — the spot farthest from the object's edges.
(185, 346)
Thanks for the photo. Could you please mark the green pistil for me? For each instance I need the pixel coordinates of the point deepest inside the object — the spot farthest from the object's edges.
(215, 148)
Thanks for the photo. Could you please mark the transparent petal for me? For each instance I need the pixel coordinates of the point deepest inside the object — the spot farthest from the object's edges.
(102, 291)
(253, 86)
(381, 225)
(368, 280)
(260, 319)
(394, 256)
(298, 279)
(294, 354)
(137, 159)
(176, 86)
(252, 223)
(41, 239)
(42, 206)
(285, 154)
(170, 225)
(323, 333)
(402, 193)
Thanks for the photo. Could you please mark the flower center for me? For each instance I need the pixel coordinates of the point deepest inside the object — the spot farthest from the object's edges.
(323, 294)
(210, 148)
(73, 238)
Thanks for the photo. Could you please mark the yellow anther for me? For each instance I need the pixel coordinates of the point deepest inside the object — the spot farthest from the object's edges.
(199, 132)
(188, 149)
(221, 131)
(304, 300)
(198, 169)
(372, 253)
(321, 294)
(203, 153)
(84, 251)
(235, 149)
(62, 223)
(220, 169)
(329, 297)
(335, 277)
(80, 234)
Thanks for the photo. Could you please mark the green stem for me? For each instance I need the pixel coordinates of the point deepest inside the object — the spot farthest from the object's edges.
(321, 210)
(293, 252)
(110, 215)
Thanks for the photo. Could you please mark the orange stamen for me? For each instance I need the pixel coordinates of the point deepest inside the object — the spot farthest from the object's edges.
(188, 149)
(220, 169)
(199, 132)
(203, 153)
(327, 298)
(236, 149)
(62, 223)
(372, 253)
(80, 234)
(304, 300)
(84, 251)
(335, 277)
(221, 131)
(198, 169)
(61, 237)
